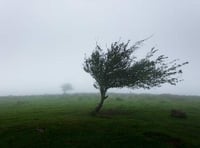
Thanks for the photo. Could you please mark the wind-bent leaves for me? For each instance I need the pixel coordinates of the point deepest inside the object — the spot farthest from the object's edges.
(118, 68)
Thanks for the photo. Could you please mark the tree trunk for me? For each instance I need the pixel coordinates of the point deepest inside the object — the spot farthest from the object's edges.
(99, 106)
(103, 97)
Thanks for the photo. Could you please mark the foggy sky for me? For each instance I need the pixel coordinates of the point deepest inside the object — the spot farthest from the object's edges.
(43, 42)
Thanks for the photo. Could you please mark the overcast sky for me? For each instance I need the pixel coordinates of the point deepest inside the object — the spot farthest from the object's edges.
(43, 42)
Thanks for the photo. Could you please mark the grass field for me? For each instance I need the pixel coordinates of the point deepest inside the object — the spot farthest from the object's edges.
(125, 121)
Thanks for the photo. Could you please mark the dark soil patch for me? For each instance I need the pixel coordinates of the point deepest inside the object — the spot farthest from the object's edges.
(114, 112)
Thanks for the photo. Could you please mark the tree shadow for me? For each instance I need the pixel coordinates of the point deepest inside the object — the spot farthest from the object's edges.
(109, 113)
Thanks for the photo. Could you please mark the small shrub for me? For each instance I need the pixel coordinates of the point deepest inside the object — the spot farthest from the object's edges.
(178, 113)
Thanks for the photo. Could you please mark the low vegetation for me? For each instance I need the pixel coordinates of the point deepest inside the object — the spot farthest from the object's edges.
(126, 120)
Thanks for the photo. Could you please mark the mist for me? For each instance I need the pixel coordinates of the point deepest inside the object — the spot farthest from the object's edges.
(43, 43)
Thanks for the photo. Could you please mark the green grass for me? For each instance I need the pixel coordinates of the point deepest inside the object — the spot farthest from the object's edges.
(125, 121)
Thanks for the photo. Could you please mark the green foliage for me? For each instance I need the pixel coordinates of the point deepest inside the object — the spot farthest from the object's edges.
(118, 67)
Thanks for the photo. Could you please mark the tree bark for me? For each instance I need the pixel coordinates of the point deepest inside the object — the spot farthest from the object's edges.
(99, 106)
(103, 97)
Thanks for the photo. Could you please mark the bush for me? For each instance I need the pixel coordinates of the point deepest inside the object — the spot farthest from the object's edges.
(178, 113)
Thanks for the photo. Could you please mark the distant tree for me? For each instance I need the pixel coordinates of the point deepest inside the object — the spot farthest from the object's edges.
(66, 87)
(118, 68)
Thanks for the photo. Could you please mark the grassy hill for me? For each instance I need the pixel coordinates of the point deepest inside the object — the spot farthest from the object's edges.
(125, 121)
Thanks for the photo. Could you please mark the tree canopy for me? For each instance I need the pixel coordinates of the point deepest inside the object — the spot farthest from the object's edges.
(66, 87)
(118, 67)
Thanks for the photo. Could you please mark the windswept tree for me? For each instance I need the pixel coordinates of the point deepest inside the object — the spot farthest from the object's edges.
(118, 67)
(66, 87)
